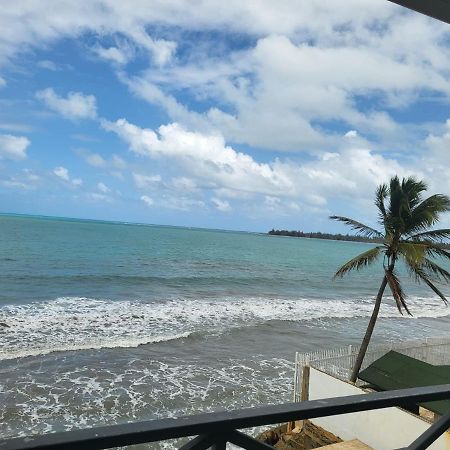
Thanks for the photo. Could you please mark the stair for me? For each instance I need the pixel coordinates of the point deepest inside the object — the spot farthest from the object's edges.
(354, 444)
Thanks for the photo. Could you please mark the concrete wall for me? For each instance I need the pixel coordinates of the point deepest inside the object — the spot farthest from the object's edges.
(383, 429)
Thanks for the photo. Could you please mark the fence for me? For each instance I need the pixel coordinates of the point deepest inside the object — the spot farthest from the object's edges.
(339, 361)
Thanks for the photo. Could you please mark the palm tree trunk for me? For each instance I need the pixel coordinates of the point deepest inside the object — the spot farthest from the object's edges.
(369, 331)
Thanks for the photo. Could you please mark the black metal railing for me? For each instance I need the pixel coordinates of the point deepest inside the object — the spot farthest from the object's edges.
(438, 9)
(218, 428)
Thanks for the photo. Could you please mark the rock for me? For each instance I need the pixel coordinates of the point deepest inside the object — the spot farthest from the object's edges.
(269, 437)
(5, 325)
(309, 437)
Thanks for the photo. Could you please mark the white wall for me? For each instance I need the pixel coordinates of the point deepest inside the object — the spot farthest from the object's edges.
(382, 429)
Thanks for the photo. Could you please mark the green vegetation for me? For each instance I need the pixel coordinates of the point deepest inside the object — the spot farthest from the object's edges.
(406, 219)
(319, 235)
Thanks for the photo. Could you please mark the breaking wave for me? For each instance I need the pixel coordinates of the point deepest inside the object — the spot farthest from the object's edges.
(79, 323)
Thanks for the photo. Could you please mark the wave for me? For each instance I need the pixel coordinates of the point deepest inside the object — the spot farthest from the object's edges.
(94, 344)
(192, 279)
(79, 323)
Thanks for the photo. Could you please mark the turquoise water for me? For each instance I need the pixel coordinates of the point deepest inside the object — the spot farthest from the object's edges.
(108, 322)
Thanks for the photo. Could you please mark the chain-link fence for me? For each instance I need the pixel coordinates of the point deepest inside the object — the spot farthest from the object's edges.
(339, 361)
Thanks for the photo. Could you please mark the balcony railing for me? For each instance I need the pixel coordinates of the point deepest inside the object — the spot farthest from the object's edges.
(216, 429)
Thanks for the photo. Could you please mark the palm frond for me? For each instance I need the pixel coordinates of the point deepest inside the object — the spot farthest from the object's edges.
(397, 292)
(435, 290)
(422, 267)
(415, 258)
(413, 253)
(422, 276)
(360, 261)
(409, 248)
(413, 188)
(435, 249)
(360, 228)
(436, 270)
(427, 213)
(380, 196)
(395, 198)
(432, 235)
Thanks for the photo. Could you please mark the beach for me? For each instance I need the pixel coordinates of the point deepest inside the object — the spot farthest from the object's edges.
(108, 323)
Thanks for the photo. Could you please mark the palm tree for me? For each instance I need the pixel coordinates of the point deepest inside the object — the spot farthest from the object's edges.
(406, 219)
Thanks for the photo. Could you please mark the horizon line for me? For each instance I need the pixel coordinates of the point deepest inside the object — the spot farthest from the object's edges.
(124, 222)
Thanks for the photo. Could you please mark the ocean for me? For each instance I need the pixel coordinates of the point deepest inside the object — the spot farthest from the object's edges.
(104, 323)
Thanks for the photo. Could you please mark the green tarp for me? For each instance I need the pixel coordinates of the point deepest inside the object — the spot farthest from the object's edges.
(397, 371)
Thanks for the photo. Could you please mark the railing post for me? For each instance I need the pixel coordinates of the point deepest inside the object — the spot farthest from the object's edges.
(201, 442)
(295, 376)
(432, 433)
(291, 425)
(219, 445)
(304, 394)
(350, 349)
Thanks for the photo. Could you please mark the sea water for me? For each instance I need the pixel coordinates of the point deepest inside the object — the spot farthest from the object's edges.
(104, 323)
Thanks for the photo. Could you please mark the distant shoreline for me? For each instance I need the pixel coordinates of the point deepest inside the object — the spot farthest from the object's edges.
(121, 222)
(314, 235)
(320, 235)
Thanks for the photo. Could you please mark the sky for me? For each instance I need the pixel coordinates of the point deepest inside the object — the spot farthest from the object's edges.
(234, 115)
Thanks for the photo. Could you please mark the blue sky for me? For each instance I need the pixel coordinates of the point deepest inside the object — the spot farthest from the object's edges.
(244, 115)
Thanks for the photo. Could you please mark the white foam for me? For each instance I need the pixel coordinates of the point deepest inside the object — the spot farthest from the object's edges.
(77, 323)
(127, 389)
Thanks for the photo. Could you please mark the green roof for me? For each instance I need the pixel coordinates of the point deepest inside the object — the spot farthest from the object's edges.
(397, 371)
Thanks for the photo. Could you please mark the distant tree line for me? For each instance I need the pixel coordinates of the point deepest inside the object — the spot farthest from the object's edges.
(319, 235)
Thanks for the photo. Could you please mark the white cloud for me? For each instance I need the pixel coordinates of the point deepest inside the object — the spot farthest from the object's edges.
(13, 183)
(161, 49)
(96, 197)
(111, 54)
(205, 155)
(49, 65)
(146, 181)
(31, 176)
(336, 55)
(234, 194)
(13, 147)
(26, 180)
(207, 160)
(147, 200)
(2, 82)
(63, 173)
(436, 160)
(181, 203)
(118, 162)
(184, 184)
(280, 106)
(16, 127)
(95, 160)
(120, 55)
(103, 188)
(439, 144)
(100, 17)
(75, 106)
(221, 205)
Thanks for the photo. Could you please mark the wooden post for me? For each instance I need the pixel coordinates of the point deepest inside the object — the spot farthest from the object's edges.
(298, 425)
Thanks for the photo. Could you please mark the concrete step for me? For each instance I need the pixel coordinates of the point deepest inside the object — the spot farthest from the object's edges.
(354, 444)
